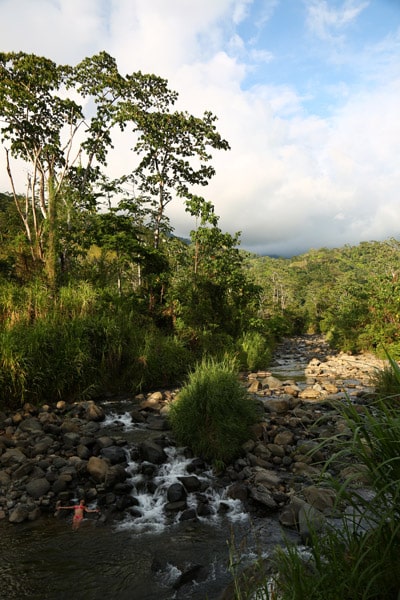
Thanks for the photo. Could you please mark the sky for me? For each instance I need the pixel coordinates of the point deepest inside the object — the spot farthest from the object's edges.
(307, 93)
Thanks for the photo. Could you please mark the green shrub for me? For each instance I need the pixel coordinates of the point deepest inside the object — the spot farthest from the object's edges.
(387, 383)
(161, 361)
(254, 350)
(213, 412)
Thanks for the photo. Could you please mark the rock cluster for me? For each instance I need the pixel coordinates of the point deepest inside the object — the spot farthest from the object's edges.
(56, 454)
(287, 454)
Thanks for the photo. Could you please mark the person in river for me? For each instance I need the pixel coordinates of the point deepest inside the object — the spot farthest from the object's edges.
(79, 512)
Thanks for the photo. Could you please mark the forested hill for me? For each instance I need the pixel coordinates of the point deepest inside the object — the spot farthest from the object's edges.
(351, 294)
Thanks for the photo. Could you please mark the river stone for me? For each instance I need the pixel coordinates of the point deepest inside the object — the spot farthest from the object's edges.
(94, 412)
(152, 452)
(104, 441)
(190, 482)
(278, 405)
(262, 495)
(237, 491)
(38, 487)
(23, 470)
(115, 454)
(254, 387)
(115, 474)
(42, 446)
(310, 520)
(157, 423)
(71, 439)
(18, 514)
(137, 416)
(98, 468)
(177, 506)
(176, 492)
(289, 515)
(12, 456)
(268, 479)
(284, 438)
(273, 383)
(320, 498)
(190, 574)
(4, 478)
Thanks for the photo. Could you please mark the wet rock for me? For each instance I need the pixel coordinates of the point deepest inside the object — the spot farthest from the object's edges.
(152, 452)
(176, 492)
(191, 483)
(263, 496)
(115, 454)
(189, 575)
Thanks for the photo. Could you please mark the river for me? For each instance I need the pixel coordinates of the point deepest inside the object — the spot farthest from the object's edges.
(134, 559)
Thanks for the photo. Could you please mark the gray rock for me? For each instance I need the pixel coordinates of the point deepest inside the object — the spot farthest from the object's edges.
(152, 452)
(176, 492)
(38, 487)
(262, 495)
(115, 454)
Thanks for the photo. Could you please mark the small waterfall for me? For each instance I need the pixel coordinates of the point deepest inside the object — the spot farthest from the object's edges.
(151, 495)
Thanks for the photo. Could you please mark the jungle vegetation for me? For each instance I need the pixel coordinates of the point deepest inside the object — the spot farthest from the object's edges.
(97, 294)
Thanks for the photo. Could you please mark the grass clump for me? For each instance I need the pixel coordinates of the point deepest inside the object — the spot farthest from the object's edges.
(387, 383)
(213, 412)
(358, 556)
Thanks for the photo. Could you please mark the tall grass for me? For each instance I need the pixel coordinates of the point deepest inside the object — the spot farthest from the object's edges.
(213, 412)
(358, 557)
(83, 343)
(255, 350)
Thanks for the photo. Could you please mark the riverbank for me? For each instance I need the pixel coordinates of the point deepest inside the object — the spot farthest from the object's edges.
(58, 453)
(67, 451)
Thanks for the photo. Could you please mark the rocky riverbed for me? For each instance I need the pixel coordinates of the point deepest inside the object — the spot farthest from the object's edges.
(62, 452)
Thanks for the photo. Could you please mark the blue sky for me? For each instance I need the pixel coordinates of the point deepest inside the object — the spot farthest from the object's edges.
(307, 92)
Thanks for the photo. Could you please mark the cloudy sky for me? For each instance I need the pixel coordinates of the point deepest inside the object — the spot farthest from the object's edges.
(307, 92)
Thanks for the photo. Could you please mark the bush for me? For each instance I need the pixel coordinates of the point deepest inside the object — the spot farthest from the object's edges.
(254, 351)
(387, 383)
(213, 412)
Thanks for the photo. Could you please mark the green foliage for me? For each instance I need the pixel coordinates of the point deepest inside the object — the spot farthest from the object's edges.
(87, 342)
(213, 412)
(387, 383)
(359, 557)
(163, 360)
(351, 294)
(255, 350)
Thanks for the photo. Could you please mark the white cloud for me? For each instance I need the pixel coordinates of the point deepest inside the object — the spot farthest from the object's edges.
(328, 22)
(292, 180)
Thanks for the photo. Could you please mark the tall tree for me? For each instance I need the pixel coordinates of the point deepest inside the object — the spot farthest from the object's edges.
(174, 153)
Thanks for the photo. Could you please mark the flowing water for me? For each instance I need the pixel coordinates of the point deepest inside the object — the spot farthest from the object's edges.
(137, 558)
(141, 557)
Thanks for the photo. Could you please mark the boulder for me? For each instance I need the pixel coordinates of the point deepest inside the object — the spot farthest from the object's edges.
(98, 468)
(262, 495)
(94, 412)
(115, 454)
(152, 452)
(38, 487)
(176, 492)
